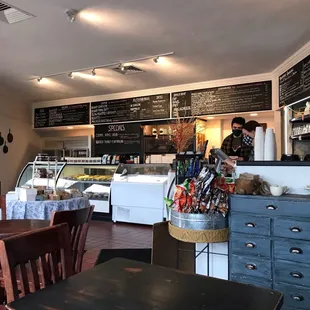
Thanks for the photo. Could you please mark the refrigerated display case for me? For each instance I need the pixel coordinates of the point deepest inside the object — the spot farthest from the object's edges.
(87, 175)
(93, 180)
(44, 174)
(138, 191)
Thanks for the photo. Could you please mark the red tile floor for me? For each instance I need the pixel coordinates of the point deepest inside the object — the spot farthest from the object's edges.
(107, 235)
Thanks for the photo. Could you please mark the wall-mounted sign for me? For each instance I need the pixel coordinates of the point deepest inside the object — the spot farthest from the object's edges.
(66, 115)
(118, 139)
(294, 84)
(132, 109)
(221, 100)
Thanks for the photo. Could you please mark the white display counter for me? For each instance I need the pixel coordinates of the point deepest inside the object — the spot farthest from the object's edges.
(137, 193)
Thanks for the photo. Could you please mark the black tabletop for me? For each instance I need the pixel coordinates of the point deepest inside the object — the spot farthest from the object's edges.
(130, 285)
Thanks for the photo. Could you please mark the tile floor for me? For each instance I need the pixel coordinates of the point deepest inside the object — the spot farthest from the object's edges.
(107, 235)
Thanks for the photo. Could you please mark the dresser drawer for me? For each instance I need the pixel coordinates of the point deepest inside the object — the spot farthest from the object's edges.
(270, 207)
(250, 266)
(292, 250)
(250, 245)
(293, 273)
(291, 228)
(251, 281)
(250, 224)
(294, 296)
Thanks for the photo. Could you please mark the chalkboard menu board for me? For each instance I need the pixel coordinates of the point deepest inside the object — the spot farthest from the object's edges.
(294, 84)
(117, 139)
(66, 115)
(221, 100)
(132, 109)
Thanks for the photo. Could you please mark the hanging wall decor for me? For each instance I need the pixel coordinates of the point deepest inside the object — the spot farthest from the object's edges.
(10, 137)
(5, 148)
(1, 140)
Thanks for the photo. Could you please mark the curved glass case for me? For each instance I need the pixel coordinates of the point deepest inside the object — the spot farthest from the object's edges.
(93, 180)
(44, 174)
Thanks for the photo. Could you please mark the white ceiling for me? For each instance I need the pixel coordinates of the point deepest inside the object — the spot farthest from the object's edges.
(212, 39)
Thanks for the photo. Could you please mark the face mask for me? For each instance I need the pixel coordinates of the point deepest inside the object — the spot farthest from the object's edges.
(237, 132)
(247, 140)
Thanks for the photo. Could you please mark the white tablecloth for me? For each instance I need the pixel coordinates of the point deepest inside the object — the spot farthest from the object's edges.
(42, 210)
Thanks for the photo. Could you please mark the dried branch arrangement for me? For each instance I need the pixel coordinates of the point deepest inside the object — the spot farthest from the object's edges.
(183, 133)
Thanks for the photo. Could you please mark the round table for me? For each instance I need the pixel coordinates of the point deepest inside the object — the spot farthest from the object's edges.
(12, 227)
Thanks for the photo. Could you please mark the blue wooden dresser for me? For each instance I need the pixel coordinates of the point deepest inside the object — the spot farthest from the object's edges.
(270, 245)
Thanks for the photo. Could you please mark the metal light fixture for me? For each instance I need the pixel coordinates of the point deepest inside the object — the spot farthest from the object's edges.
(156, 59)
(71, 14)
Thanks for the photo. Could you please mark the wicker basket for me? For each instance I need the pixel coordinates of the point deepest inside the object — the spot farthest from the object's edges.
(199, 228)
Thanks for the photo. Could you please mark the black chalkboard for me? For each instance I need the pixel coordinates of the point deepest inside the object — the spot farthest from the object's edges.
(131, 109)
(66, 115)
(294, 84)
(221, 100)
(118, 139)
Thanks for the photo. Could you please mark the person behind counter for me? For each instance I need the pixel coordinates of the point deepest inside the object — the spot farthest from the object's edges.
(248, 131)
(248, 136)
(233, 144)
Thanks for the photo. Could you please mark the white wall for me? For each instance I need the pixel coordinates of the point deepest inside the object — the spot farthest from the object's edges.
(16, 115)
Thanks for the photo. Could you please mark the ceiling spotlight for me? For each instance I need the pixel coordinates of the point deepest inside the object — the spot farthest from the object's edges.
(93, 72)
(70, 75)
(122, 67)
(157, 59)
(71, 14)
(39, 79)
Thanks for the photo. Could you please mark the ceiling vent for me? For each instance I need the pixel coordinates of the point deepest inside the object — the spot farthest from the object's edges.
(11, 14)
(127, 70)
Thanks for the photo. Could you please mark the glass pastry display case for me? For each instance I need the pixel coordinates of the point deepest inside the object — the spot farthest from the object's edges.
(93, 180)
(44, 174)
(138, 191)
(87, 175)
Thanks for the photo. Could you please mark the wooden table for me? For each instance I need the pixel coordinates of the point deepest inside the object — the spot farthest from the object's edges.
(130, 285)
(12, 227)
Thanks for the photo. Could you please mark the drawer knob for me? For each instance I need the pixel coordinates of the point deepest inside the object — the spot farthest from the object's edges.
(250, 245)
(295, 229)
(250, 266)
(297, 275)
(297, 297)
(250, 224)
(271, 207)
(296, 250)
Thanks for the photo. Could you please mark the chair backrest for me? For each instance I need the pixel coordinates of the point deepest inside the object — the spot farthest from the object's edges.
(35, 257)
(170, 252)
(140, 255)
(78, 222)
(3, 207)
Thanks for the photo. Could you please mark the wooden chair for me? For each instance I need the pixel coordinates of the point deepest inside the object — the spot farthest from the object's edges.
(78, 222)
(3, 207)
(35, 257)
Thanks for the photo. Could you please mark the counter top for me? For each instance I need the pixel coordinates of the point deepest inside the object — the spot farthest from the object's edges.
(274, 163)
(280, 198)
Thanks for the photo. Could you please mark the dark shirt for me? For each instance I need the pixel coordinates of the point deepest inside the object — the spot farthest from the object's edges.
(227, 147)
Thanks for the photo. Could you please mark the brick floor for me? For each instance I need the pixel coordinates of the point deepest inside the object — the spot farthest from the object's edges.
(107, 235)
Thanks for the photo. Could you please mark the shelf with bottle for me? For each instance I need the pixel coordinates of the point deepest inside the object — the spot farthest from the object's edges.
(301, 119)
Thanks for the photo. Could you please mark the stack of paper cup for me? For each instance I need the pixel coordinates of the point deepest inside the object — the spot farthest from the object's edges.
(259, 143)
(270, 142)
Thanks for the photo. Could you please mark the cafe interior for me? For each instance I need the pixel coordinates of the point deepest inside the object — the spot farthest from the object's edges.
(155, 154)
